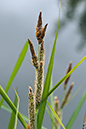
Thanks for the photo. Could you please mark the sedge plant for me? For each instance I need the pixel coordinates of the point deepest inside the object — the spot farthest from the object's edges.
(37, 101)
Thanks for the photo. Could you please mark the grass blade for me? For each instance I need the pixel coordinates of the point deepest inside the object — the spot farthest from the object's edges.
(15, 127)
(76, 112)
(52, 105)
(5, 107)
(51, 116)
(12, 119)
(66, 76)
(47, 79)
(12, 106)
(16, 68)
(54, 113)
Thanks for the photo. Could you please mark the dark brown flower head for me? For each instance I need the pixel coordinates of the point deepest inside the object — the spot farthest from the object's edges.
(31, 48)
(40, 32)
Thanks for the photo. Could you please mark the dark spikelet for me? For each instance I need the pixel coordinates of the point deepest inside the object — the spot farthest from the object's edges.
(68, 70)
(40, 32)
(39, 23)
(43, 31)
(34, 57)
(31, 48)
(65, 99)
(35, 61)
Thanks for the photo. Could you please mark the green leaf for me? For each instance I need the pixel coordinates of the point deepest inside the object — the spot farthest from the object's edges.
(52, 105)
(76, 112)
(66, 76)
(16, 68)
(12, 119)
(12, 106)
(17, 109)
(54, 113)
(5, 107)
(51, 116)
(47, 79)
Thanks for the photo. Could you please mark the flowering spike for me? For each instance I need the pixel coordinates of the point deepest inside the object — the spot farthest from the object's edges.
(39, 78)
(39, 23)
(31, 109)
(68, 70)
(43, 31)
(31, 48)
(65, 99)
(34, 57)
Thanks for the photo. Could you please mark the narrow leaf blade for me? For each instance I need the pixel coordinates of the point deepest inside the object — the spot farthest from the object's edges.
(54, 113)
(66, 76)
(52, 104)
(12, 106)
(5, 107)
(12, 118)
(15, 126)
(76, 112)
(16, 68)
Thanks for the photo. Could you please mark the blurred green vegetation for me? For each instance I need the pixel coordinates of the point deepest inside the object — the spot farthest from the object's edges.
(75, 10)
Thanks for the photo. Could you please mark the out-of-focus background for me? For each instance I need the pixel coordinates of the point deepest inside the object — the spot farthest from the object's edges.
(17, 23)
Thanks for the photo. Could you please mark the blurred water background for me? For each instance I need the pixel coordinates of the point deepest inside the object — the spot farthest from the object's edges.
(17, 23)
